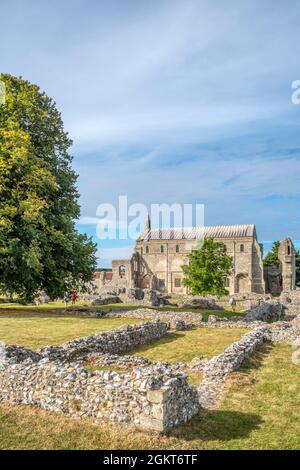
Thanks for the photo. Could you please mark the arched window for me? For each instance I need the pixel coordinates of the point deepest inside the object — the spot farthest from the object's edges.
(242, 248)
(147, 250)
(288, 250)
(122, 270)
(161, 248)
(177, 248)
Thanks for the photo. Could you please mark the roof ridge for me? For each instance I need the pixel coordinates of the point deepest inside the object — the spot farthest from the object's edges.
(213, 231)
(200, 226)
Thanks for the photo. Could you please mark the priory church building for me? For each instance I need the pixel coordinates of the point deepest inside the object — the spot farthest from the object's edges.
(160, 253)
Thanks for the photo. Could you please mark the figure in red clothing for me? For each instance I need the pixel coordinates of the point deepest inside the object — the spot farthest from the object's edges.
(73, 298)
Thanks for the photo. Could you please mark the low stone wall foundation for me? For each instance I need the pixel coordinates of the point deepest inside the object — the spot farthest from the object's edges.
(169, 317)
(155, 397)
(151, 398)
(114, 341)
(216, 370)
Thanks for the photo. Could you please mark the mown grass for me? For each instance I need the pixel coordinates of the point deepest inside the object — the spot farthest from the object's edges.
(48, 306)
(37, 330)
(183, 346)
(260, 411)
(59, 307)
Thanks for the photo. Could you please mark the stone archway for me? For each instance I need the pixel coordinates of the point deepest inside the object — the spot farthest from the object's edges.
(122, 270)
(242, 284)
(145, 283)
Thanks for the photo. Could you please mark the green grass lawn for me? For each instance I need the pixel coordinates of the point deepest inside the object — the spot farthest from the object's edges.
(59, 304)
(37, 330)
(83, 306)
(260, 411)
(183, 346)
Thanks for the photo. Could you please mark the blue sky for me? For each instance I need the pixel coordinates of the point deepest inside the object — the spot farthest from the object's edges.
(171, 101)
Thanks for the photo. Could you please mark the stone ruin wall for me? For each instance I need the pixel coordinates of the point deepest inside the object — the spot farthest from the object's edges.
(149, 398)
(291, 301)
(154, 397)
(168, 317)
(217, 369)
(114, 341)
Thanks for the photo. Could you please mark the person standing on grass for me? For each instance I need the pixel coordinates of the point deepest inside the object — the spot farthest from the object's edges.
(73, 298)
(232, 303)
(66, 299)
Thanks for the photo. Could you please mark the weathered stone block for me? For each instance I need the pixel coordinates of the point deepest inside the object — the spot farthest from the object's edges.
(157, 396)
(157, 411)
(152, 424)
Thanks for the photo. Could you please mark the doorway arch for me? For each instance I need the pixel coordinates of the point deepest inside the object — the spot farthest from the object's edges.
(242, 283)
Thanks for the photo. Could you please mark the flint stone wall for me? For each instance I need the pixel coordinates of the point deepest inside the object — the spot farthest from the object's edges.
(107, 299)
(11, 354)
(114, 360)
(266, 311)
(127, 363)
(114, 341)
(216, 370)
(208, 302)
(145, 297)
(246, 301)
(285, 332)
(168, 317)
(153, 398)
(291, 301)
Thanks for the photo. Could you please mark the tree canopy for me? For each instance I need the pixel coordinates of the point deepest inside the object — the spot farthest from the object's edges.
(271, 259)
(208, 268)
(40, 248)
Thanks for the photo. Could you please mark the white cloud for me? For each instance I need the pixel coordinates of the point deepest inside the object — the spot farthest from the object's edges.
(144, 86)
(129, 73)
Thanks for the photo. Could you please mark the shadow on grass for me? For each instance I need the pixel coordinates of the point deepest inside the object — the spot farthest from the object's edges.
(168, 338)
(224, 425)
(257, 359)
(210, 425)
(41, 314)
(107, 309)
(75, 311)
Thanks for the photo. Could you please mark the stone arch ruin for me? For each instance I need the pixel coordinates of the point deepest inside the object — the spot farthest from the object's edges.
(282, 277)
(243, 283)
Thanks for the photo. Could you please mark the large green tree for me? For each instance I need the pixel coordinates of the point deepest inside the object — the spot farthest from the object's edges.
(208, 268)
(40, 248)
(271, 259)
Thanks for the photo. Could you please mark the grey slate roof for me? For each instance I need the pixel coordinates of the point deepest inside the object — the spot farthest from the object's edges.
(189, 233)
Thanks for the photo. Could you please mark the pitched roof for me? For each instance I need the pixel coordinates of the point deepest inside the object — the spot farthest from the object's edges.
(188, 233)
